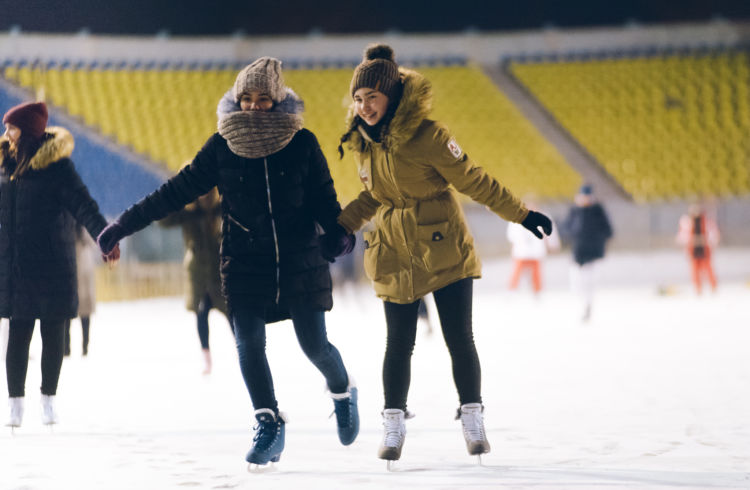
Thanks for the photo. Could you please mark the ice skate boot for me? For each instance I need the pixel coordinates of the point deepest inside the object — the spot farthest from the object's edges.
(472, 422)
(49, 415)
(268, 442)
(394, 432)
(347, 414)
(16, 412)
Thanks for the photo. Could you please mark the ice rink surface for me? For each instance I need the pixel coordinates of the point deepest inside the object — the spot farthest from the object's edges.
(653, 392)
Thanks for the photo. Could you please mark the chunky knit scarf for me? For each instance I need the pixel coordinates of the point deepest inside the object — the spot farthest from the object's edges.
(252, 134)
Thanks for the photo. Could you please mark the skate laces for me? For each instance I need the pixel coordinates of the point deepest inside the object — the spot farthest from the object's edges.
(265, 431)
(394, 431)
(473, 424)
(343, 411)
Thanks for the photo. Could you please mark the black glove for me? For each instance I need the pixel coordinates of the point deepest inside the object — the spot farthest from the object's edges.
(534, 220)
(336, 243)
(110, 236)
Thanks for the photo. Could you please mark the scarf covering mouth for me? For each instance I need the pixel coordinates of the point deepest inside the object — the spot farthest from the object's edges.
(254, 134)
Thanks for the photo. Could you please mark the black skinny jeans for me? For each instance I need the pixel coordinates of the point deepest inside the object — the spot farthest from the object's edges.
(17, 358)
(454, 308)
(310, 327)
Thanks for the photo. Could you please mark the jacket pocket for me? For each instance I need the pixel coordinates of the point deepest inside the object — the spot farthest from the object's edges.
(438, 244)
(376, 257)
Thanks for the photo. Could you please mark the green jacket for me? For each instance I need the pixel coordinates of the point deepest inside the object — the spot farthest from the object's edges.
(421, 241)
(201, 232)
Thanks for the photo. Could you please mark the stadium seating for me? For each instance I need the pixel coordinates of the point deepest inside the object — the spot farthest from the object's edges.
(665, 126)
(166, 113)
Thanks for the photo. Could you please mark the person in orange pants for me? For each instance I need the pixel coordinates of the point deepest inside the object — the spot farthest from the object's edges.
(699, 234)
(528, 253)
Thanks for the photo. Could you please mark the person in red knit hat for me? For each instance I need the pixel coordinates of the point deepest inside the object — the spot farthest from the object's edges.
(30, 118)
(42, 197)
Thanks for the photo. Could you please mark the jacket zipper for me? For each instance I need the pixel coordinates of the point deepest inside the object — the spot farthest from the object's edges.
(273, 228)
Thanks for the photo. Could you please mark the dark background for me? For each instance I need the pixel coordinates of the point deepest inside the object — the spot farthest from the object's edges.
(267, 17)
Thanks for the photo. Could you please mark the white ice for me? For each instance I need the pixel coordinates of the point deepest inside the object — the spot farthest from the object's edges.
(653, 392)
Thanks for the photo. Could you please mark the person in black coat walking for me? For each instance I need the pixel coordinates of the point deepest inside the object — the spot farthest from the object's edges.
(588, 229)
(276, 192)
(42, 198)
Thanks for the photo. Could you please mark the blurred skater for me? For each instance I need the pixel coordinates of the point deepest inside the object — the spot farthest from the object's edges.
(588, 229)
(411, 167)
(528, 253)
(201, 231)
(276, 189)
(699, 235)
(87, 254)
(42, 197)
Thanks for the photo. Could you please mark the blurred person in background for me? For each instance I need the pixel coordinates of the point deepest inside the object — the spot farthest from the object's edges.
(410, 168)
(276, 191)
(86, 256)
(528, 252)
(42, 197)
(699, 235)
(587, 229)
(201, 231)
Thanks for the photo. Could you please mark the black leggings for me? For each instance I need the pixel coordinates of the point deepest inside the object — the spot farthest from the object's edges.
(204, 308)
(454, 308)
(85, 324)
(17, 358)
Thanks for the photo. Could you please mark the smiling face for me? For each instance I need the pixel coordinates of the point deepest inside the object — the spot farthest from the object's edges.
(13, 133)
(370, 105)
(256, 101)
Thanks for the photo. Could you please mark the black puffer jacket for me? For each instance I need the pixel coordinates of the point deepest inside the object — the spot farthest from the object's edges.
(587, 228)
(270, 258)
(38, 211)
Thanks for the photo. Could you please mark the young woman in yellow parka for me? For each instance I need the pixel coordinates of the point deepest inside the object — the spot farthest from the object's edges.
(411, 168)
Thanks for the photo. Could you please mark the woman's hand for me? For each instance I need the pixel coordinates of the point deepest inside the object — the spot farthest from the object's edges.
(336, 243)
(534, 220)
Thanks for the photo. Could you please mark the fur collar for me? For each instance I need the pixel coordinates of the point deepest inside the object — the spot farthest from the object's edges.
(58, 144)
(413, 109)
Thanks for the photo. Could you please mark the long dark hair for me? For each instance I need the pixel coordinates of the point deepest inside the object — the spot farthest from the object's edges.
(22, 152)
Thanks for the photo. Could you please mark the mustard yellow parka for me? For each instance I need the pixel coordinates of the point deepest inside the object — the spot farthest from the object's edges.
(421, 241)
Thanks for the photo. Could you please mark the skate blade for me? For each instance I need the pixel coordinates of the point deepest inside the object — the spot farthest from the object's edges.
(261, 468)
(390, 465)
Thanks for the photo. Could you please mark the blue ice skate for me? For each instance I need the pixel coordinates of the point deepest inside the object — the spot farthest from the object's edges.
(347, 415)
(268, 442)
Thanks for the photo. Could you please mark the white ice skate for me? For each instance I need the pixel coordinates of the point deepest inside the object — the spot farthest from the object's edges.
(394, 433)
(16, 412)
(49, 415)
(472, 421)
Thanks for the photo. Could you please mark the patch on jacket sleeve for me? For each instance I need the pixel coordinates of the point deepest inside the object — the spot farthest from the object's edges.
(454, 148)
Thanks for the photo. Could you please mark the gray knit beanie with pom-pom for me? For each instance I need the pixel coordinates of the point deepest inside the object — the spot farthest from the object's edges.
(262, 75)
(377, 71)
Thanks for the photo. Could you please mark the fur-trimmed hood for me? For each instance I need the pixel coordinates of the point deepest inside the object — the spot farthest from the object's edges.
(58, 143)
(292, 104)
(256, 134)
(413, 108)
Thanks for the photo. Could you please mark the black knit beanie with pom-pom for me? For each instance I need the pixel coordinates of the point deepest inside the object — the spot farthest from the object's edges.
(377, 71)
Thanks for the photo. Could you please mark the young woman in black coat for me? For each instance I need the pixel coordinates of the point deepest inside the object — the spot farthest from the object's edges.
(276, 192)
(42, 198)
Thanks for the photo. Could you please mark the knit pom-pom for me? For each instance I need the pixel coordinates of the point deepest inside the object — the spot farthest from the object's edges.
(376, 51)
